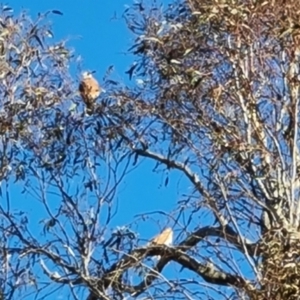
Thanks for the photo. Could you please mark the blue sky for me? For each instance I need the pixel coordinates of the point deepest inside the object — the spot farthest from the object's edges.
(98, 39)
(97, 33)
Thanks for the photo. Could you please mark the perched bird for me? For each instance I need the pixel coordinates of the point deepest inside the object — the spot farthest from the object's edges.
(164, 238)
(89, 89)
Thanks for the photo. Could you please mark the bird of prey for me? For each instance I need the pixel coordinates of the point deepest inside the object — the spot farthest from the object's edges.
(164, 238)
(89, 89)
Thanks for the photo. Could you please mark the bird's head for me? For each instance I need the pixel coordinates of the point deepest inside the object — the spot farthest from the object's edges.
(86, 75)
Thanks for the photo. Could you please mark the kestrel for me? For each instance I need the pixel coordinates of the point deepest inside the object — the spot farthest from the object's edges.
(89, 89)
(164, 238)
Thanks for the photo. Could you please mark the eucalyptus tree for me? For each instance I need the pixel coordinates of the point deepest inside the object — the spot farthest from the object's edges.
(214, 97)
